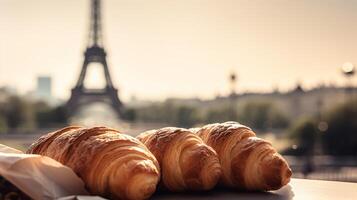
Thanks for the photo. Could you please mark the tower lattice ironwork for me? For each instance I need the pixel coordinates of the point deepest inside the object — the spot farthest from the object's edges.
(94, 53)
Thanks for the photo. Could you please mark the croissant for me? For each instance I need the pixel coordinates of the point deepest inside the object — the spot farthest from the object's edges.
(111, 164)
(186, 162)
(248, 162)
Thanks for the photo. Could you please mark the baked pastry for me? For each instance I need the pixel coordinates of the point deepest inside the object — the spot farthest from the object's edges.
(186, 162)
(248, 162)
(111, 164)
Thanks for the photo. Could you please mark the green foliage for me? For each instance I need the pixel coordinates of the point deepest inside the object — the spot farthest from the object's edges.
(278, 119)
(341, 135)
(260, 115)
(129, 114)
(304, 133)
(186, 116)
(222, 114)
(3, 124)
(263, 115)
(47, 116)
(168, 112)
(18, 113)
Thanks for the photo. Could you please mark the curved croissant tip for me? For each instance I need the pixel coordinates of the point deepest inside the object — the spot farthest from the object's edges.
(276, 173)
(142, 186)
(211, 173)
(285, 175)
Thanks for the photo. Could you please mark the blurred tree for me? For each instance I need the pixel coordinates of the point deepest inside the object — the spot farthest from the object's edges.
(129, 114)
(18, 113)
(59, 114)
(3, 124)
(256, 114)
(278, 119)
(47, 116)
(221, 114)
(304, 134)
(186, 116)
(168, 112)
(145, 113)
(341, 136)
(263, 115)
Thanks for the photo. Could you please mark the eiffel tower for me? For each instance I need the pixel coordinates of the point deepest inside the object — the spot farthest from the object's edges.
(94, 53)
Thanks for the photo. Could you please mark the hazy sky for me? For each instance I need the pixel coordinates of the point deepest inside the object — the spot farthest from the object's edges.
(181, 48)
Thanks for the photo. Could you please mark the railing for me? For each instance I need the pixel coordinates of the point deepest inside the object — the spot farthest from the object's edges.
(331, 168)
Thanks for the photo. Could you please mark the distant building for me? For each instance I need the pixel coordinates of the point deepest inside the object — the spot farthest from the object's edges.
(43, 92)
(44, 87)
(295, 103)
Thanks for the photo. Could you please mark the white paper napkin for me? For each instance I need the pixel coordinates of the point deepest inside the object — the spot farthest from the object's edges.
(40, 177)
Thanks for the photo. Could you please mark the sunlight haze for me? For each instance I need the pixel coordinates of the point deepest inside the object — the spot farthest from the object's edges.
(182, 48)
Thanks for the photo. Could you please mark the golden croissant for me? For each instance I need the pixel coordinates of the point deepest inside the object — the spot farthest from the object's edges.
(111, 164)
(186, 162)
(248, 162)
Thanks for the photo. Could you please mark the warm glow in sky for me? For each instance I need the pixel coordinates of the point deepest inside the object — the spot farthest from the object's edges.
(181, 48)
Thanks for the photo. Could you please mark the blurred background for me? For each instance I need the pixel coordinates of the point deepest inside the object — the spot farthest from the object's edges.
(284, 68)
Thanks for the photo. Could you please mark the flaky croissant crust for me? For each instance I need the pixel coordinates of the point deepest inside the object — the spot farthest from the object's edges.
(186, 162)
(248, 162)
(111, 164)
